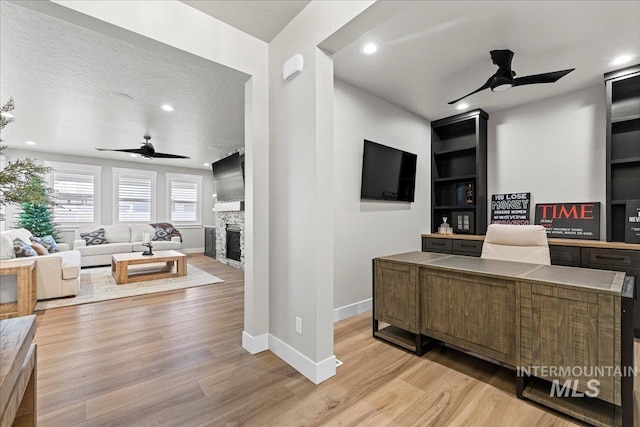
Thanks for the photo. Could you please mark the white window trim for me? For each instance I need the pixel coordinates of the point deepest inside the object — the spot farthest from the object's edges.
(196, 179)
(79, 168)
(117, 173)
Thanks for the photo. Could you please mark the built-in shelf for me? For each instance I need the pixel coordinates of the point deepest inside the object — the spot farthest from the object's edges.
(453, 151)
(626, 118)
(459, 169)
(456, 178)
(627, 160)
(454, 207)
(623, 147)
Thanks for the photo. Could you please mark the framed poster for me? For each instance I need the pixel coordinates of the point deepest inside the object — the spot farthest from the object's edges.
(632, 222)
(511, 208)
(463, 222)
(570, 220)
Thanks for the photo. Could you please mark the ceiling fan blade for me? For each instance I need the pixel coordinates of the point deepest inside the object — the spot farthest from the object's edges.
(483, 87)
(124, 150)
(169, 156)
(502, 58)
(551, 77)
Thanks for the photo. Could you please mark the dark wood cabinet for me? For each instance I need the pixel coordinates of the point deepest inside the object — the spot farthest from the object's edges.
(210, 241)
(623, 146)
(459, 169)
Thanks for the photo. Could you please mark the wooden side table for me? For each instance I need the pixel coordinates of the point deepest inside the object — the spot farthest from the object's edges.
(27, 291)
(18, 371)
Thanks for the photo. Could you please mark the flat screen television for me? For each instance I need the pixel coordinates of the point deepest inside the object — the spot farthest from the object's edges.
(228, 174)
(387, 173)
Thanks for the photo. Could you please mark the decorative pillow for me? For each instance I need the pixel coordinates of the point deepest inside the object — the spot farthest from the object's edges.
(48, 242)
(95, 237)
(40, 250)
(22, 248)
(163, 233)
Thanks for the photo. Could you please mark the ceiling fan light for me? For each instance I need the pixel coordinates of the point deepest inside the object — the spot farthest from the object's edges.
(622, 59)
(502, 87)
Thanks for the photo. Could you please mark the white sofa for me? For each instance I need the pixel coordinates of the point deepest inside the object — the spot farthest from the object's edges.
(120, 238)
(57, 274)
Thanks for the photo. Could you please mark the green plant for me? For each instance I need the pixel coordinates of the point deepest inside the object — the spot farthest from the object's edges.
(21, 180)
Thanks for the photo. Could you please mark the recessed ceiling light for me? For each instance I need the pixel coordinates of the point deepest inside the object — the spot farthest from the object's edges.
(206, 164)
(121, 96)
(622, 59)
(30, 142)
(369, 48)
(167, 107)
(133, 155)
(462, 106)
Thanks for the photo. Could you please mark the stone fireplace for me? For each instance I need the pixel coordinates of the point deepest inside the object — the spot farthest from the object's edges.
(230, 236)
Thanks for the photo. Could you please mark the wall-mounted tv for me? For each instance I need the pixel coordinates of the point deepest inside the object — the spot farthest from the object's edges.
(387, 173)
(229, 176)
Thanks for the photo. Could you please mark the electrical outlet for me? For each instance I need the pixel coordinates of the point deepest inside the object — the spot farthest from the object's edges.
(299, 325)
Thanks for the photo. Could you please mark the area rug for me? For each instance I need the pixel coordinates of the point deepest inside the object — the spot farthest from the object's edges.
(97, 284)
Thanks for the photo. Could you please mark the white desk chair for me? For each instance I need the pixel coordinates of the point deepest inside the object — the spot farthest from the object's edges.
(521, 243)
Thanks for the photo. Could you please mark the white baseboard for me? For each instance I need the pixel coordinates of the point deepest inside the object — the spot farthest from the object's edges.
(351, 310)
(192, 250)
(255, 344)
(315, 372)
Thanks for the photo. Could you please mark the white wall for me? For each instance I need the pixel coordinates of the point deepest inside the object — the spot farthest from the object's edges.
(364, 230)
(554, 149)
(193, 238)
(301, 164)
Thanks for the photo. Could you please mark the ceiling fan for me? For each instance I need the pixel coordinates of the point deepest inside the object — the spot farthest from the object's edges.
(147, 151)
(505, 78)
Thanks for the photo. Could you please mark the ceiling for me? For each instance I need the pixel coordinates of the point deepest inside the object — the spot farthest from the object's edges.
(433, 52)
(263, 19)
(63, 77)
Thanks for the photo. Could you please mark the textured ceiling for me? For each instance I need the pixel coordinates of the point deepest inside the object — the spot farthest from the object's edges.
(434, 52)
(263, 19)
(61, 76)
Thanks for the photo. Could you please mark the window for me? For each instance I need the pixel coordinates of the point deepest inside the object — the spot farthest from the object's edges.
(76, 192)
(184, 199)
(134, 195)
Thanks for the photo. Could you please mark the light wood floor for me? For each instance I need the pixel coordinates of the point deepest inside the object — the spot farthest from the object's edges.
(176, 359)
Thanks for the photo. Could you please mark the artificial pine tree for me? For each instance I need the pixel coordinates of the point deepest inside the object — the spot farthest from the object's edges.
(36, 218)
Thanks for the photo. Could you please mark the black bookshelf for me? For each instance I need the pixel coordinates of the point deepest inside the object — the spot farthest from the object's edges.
(459, 169)
(623, 146)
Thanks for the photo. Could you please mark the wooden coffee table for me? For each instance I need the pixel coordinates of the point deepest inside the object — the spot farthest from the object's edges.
(120, 266)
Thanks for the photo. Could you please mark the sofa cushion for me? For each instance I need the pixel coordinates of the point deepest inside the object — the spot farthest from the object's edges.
(6, 248)
(119, 233)
(23, 249)
(48, 242)
(70, 264)
(95, 237)
(109, 248)
(139, 230)
(40, 250)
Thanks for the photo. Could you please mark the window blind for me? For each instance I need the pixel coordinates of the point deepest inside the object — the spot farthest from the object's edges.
(134, 199)
(184, 201)
(74, 197)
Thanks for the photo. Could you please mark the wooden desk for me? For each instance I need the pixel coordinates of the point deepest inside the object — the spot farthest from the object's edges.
(26, 284)
(517, 314)
(18, 369)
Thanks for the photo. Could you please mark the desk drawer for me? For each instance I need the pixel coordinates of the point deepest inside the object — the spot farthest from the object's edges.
(467, 247)
(437, 245)
(565, 255)
(610, 259)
